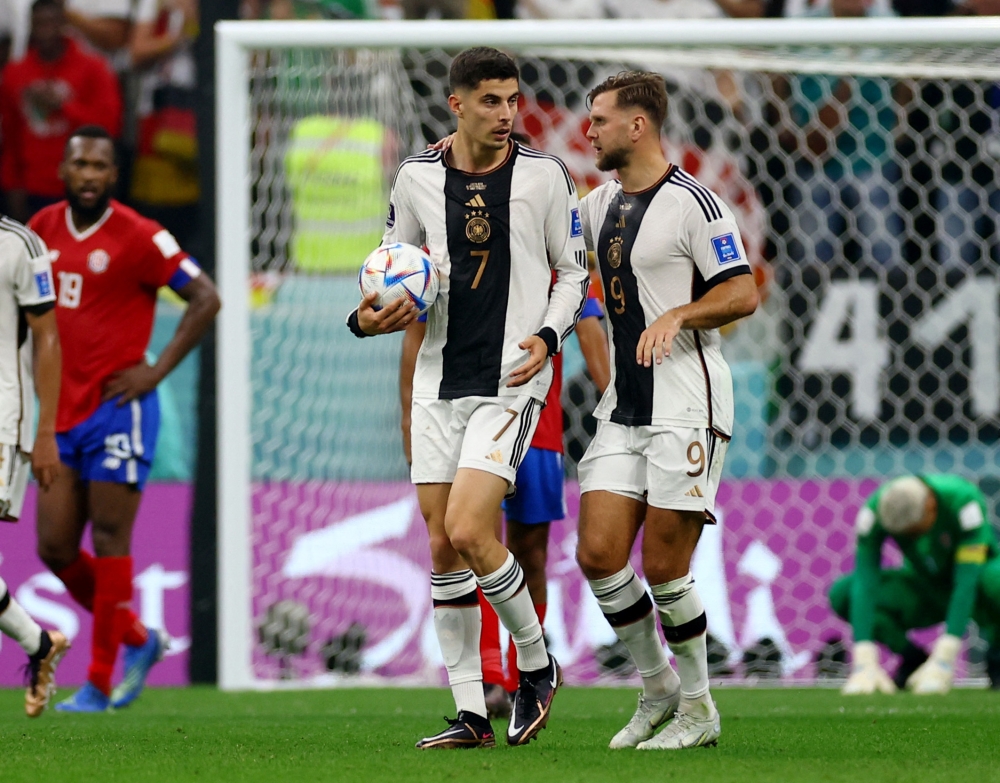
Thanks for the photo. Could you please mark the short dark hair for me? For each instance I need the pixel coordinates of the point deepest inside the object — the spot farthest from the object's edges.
(478, 64)
(89, 132)
(41, 5)
(639, 89)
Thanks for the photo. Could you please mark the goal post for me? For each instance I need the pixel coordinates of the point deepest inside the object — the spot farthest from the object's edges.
(820, 414)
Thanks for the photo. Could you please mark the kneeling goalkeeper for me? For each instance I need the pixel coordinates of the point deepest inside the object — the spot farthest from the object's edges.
(950, 573)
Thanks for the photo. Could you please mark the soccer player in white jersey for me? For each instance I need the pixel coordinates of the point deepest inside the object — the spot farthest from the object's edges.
(674, 271)
(28, 340)
(497, 219)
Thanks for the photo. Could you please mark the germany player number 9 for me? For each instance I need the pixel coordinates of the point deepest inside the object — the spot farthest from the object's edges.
(696, 456)
(618, 294)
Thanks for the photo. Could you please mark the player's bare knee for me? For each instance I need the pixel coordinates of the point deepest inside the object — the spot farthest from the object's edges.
(444, 558)
(595, 563)
(467, 539)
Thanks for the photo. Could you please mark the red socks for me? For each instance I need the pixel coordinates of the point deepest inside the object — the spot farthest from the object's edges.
(514, 675)
(79, 578)
(489, 644)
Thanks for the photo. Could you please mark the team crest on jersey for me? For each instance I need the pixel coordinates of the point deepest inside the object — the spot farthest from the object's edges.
(98, 261)
(615, 253)
(478, 227)
(725, 248)
(390, 219)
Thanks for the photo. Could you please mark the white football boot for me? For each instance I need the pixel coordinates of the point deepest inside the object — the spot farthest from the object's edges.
(648, 717)
(686, 731)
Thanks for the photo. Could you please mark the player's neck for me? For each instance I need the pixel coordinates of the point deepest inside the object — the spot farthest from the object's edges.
(82, 220)
(644, 170)
(468, 155)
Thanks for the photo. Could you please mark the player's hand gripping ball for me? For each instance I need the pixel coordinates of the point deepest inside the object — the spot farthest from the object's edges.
(399, 271)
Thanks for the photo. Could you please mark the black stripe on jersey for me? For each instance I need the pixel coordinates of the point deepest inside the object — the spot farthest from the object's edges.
(530, 153)
(430, 156)
(700, 287)
(585, 286)
(522, 433)
(708, 377)
(25, 234)
(706, 198)
(710, 198)
(633, 382)
(479, 248)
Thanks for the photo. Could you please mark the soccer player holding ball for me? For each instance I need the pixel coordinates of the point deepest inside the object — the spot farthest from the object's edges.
(109, 264)
(950, 573)
(674, 271)
(497, 219)
(29, 343)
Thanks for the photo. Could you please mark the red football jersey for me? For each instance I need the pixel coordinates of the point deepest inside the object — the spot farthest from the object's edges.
(549, 432)
(106, 283)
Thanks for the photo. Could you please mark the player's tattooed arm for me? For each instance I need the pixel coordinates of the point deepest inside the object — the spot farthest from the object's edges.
(203, 304)
(47, 361)
(729, 301)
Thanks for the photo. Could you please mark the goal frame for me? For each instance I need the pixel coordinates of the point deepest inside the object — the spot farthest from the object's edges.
(234, 42)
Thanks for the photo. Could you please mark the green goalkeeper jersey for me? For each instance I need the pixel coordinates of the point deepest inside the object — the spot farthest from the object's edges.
(947, 558)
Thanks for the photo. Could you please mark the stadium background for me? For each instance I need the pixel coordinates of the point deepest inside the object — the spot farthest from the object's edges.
(801, 462)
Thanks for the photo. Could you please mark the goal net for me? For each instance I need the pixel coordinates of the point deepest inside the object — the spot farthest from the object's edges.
(860, 159)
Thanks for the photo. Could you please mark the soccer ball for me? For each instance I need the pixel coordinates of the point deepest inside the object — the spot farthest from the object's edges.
(398, 271)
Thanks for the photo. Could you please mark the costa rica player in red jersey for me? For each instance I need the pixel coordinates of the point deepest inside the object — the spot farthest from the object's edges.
(109, 262)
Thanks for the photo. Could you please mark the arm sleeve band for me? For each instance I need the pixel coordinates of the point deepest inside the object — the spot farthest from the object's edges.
(187, 271)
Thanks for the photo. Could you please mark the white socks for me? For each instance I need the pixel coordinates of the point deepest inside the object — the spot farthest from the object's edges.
(506, 590)
(628, 610)
(684, 625)
(458, 622)
(16, 623)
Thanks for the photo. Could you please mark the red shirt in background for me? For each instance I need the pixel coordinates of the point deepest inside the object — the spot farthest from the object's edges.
(106, 283)
(33, 143)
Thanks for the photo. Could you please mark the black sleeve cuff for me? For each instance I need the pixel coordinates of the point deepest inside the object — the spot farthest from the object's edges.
(548, 334)
(354, 326)
(39, 309)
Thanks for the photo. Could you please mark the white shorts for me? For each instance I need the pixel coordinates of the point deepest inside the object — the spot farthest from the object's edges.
(676, 468)
(15, 466)
(485, 433)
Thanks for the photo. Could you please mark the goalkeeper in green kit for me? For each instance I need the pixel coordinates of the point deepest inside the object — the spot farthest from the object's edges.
(950, 573)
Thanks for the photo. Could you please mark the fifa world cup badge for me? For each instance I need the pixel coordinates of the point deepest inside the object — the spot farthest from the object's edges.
(615, 253)
(478, 227)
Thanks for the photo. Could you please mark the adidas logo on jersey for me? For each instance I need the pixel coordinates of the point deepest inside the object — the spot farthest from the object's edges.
(496, 456)
(694, 492)
(476, 201)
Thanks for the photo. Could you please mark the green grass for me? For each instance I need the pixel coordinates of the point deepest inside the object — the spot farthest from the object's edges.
(779, 735)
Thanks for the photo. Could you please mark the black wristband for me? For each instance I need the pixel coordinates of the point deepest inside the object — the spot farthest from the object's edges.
(355, 326)
(548, 334)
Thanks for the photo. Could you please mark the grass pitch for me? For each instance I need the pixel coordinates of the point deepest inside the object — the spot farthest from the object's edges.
(783, 735)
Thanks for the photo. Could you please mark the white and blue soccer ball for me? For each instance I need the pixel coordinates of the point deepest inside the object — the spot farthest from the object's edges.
(398, 271)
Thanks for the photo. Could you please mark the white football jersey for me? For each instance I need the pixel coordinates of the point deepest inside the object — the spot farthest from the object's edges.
(25, 284)
(495, 239)
(659, 249)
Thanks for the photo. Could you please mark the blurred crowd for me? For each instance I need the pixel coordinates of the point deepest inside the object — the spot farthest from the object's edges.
(129, 66)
